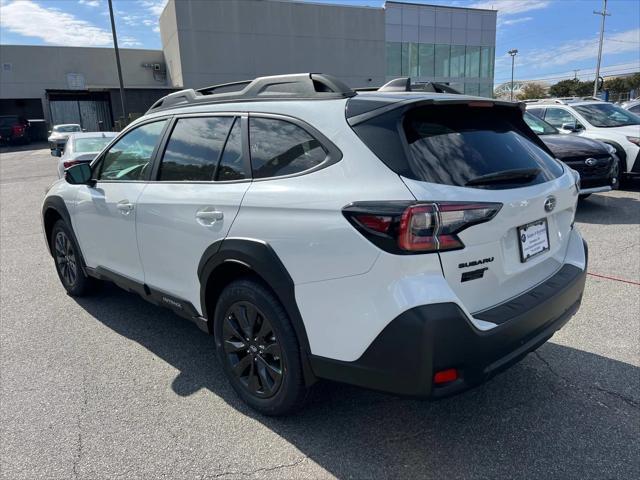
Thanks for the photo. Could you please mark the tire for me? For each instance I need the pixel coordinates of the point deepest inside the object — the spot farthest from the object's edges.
(258, 348)
(66, 256)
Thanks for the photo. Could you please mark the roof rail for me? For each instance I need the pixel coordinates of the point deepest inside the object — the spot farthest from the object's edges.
(311, 86)
(563, 100)
(403, 84)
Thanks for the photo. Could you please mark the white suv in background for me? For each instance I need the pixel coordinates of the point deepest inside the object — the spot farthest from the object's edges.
(599, 120)
(414, 243)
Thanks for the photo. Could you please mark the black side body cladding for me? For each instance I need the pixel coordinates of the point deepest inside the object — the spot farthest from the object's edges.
(430, 338)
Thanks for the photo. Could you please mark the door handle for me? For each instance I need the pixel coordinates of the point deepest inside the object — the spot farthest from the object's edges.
(208, 216)
(125, 207)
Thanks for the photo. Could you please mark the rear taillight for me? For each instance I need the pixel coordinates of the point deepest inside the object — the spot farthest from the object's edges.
(17, 129)
(406, 228)
(70, 163)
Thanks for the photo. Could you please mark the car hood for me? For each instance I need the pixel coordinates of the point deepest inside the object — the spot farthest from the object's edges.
(567, 146)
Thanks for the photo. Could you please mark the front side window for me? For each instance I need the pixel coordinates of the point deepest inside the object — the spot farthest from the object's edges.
(606, 115)
(194, 148)
(130, 157)
(558, 116)
(282, 148)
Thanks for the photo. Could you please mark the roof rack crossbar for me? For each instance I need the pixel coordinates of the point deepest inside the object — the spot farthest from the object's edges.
(403, 84)
(310, 86)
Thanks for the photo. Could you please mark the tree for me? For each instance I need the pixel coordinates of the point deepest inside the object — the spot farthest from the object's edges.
(563, 88)
(633, 81)
(532, 90)
(571, 88)
(617, 85)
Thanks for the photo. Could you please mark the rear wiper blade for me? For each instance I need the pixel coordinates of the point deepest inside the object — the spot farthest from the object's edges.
(519, 175)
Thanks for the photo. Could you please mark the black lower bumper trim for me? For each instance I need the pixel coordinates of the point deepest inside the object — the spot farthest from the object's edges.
(427, 339)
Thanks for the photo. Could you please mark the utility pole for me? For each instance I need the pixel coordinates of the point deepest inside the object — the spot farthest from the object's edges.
(604, 14)
(513, 52)
(575, 74)
(115, 46)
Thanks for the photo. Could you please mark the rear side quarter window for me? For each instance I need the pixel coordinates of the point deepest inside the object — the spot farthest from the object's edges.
(279, 147)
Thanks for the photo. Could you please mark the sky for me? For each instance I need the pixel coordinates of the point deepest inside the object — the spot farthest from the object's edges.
(554, 37)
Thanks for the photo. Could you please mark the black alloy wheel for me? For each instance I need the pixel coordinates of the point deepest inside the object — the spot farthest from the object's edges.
(66, 259)
(252, 349)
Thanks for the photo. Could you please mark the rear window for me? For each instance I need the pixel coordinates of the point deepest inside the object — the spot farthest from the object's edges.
(458, 145)
(90, 144)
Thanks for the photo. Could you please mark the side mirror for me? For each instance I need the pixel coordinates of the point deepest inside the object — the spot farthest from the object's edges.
(84, 129)
(56, 152)
(570, 127)
(79, 174)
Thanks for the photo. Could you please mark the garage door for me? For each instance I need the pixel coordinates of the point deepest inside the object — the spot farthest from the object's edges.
(88, 113)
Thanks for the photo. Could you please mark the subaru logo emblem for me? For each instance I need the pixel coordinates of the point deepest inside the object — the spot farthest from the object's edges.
(590, 162)
(550, 204)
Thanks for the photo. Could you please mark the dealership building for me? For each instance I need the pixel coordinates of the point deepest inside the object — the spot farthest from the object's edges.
(211, 42)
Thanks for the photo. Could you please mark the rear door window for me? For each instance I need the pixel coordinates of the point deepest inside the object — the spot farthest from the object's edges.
(559, 116)
(194, 148)
(281, 148)
(232, 164)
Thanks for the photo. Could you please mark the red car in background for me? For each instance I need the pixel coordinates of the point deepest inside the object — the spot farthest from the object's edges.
(13, 129)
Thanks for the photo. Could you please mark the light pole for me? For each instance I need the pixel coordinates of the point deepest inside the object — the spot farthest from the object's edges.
(115, 45)
(513, 52)
(604, 14)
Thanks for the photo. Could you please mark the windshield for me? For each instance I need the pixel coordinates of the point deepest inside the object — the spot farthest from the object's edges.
(607, 115)
(91, 144)
(539, 127)
(67, 128)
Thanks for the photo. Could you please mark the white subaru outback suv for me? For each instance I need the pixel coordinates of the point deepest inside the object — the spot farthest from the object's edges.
(598, 120)
(413, 243)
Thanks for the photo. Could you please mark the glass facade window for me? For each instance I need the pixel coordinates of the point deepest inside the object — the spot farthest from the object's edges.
(487, 57)
(410, 59)
(486, 90)
(442, 60)
(471, 89)
(472, 65)
(394, 59)
(426, 60)
(457, 61)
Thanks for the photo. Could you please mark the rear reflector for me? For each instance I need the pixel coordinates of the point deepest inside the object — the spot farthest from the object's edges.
(445, 376)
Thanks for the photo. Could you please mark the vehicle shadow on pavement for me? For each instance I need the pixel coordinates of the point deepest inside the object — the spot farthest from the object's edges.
(612, 210)
(560, 413)
(23, 148)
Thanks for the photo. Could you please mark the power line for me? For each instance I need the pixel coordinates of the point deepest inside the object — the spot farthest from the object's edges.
(567, 73)
(568, 76)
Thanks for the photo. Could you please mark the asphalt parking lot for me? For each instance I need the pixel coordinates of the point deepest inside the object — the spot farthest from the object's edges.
(111, 386)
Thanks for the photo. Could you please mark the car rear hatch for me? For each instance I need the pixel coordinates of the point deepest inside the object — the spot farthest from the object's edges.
(503, 206)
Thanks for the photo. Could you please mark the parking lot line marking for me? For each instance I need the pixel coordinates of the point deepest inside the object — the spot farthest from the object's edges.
(613, 278)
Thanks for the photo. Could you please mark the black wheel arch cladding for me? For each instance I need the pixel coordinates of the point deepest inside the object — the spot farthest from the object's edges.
(53, 209)
(259, 258)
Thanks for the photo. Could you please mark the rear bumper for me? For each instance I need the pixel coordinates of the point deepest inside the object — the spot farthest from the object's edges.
(588, 191)
(430, 338)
